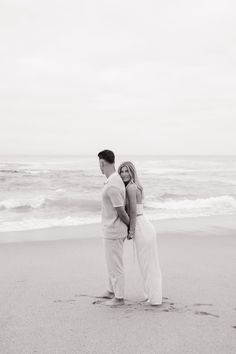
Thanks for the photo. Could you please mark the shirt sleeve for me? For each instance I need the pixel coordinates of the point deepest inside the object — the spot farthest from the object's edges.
(115, 196)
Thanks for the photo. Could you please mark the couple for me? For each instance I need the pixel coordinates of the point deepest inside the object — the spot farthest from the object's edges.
(122, 217)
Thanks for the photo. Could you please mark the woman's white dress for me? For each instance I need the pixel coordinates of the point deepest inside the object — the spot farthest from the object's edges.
(147, 254)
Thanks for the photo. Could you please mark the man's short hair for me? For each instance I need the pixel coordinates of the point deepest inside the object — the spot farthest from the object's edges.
(107, 155)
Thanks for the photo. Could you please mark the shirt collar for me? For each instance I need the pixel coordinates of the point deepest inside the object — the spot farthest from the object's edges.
(110, 177)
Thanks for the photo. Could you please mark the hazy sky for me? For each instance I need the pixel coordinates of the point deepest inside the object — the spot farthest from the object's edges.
(150, 77)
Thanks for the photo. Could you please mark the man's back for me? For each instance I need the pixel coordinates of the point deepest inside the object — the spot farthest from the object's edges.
(113, 196)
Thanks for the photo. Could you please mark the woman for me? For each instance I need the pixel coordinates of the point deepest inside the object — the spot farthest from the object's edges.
(143, 234)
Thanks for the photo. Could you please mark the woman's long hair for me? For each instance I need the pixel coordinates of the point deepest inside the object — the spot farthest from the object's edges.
(133, 174)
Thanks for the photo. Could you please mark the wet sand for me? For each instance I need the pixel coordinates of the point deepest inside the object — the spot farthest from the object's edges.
(49, 290)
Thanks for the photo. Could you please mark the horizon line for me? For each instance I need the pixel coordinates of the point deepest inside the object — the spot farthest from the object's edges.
(95, 155)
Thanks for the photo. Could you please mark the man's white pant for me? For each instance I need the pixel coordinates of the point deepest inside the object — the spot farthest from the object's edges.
(115, 267)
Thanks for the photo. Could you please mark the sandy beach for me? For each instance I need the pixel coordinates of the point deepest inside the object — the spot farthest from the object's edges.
(51, 278)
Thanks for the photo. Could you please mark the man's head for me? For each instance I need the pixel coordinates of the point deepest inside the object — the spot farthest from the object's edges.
(106, 160)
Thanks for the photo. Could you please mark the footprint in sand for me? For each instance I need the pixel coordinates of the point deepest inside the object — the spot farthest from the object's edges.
(176, 308)
(65, 301)
(204, 313)
(96, 302)
(167, 306)
(101, 300)
(90, 296)
(234, 327)
(81, 295)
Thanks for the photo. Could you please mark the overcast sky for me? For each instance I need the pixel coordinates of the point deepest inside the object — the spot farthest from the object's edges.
(139, 77)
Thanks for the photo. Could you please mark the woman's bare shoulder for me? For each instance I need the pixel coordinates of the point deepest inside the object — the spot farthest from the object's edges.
(131, 189)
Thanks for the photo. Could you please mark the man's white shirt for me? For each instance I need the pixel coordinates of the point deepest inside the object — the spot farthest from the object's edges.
(113, 195)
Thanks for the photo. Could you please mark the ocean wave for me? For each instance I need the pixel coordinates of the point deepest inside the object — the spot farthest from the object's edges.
(34, 224)
(176, 215)
(51, 202)
(155, 210)
(71, 203)
(9, 171)
(27, 203)
(33, 172)
(223, 202)
(167, 196)
(161, 171)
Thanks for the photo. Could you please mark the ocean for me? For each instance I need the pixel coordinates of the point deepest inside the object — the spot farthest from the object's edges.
(45, 191)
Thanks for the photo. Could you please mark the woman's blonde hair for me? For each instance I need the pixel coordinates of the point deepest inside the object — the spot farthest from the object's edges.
(133, 174)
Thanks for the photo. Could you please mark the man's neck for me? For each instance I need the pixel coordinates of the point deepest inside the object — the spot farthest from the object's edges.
(110, 171)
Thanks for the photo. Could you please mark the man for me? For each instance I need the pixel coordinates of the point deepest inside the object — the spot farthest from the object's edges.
(114, 221)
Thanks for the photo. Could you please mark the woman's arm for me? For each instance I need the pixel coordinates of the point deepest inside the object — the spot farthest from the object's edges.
(123, 215)
(131, 195)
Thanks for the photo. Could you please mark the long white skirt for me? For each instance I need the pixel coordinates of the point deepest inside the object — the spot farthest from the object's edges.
(147, 254)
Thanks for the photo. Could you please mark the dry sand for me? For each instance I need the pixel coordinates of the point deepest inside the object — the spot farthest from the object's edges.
(48, 290)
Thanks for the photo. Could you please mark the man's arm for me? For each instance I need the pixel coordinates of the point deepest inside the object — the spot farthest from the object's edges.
(123, 215)
(118, 203)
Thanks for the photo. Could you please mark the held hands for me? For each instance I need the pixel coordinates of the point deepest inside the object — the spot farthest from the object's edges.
(130, 235)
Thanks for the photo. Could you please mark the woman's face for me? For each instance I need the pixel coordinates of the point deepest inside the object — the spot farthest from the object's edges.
(124, 173)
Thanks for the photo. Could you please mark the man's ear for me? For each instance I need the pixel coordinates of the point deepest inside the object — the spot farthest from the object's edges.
(102, 163)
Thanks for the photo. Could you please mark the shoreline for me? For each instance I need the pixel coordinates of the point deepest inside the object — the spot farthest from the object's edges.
(175, 225)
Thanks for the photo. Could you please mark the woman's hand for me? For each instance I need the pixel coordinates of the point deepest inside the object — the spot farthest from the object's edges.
(130, 235)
